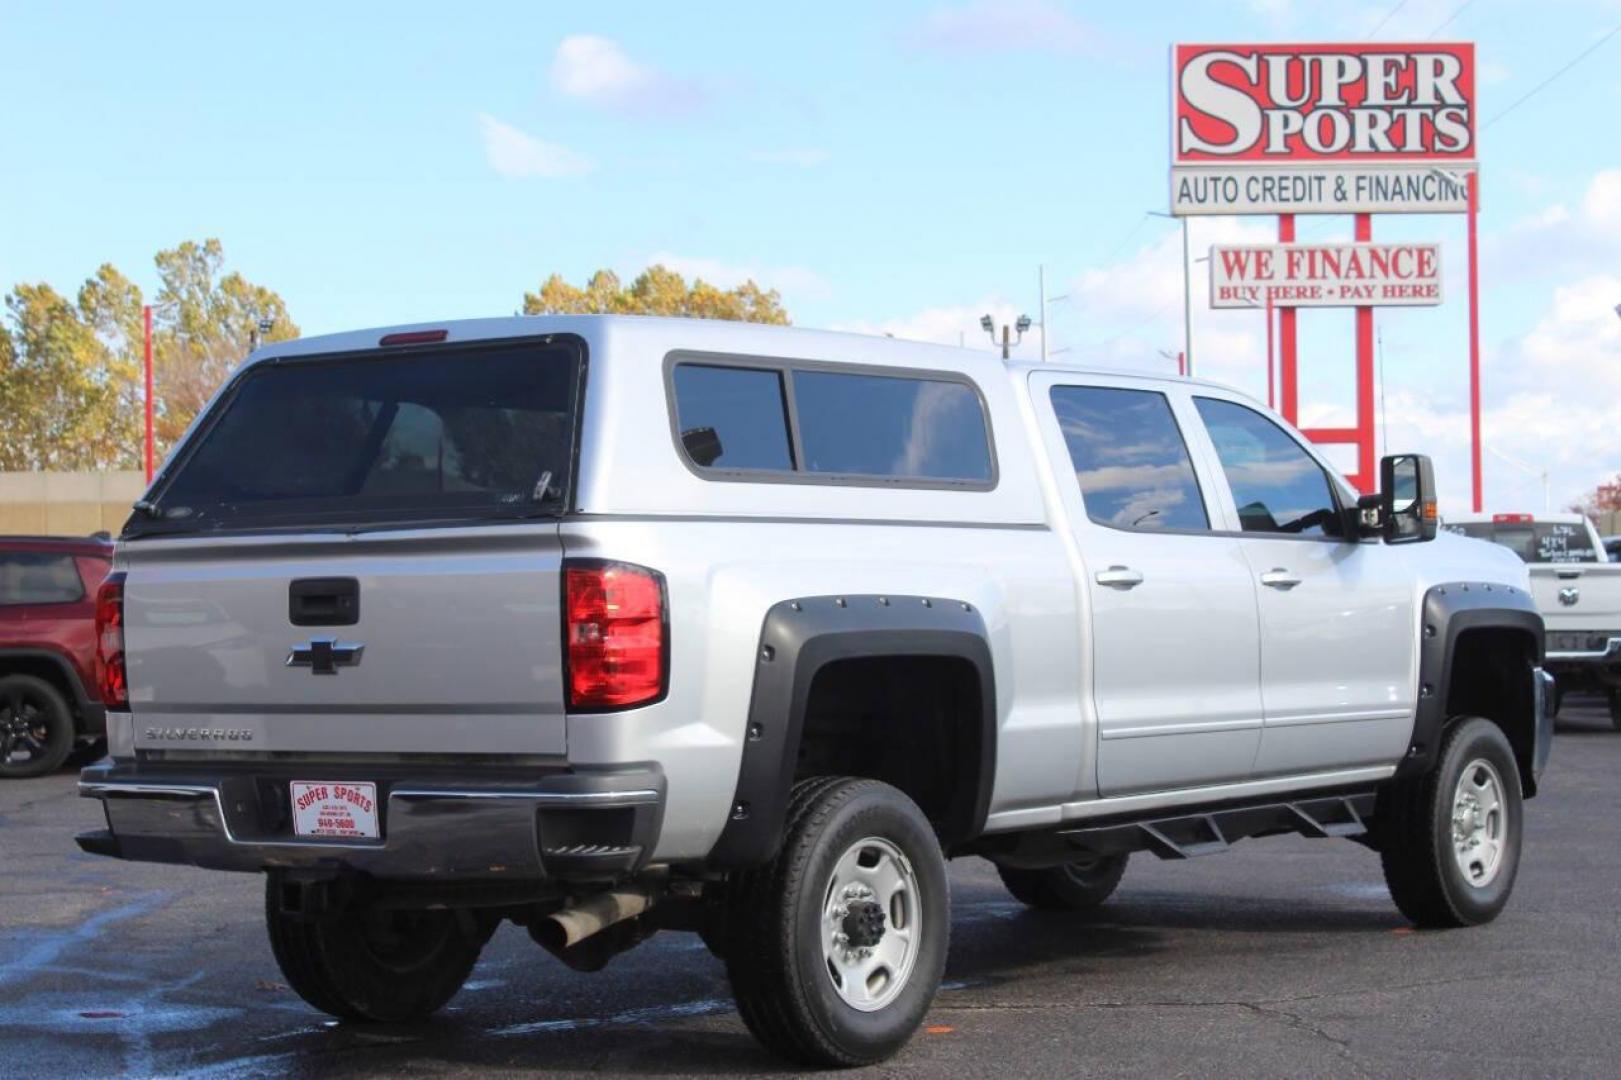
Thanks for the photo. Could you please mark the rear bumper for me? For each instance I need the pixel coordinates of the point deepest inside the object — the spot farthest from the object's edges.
(563, 825)
(1595, 668)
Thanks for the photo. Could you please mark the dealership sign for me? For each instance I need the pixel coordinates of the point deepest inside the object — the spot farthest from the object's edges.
(1325, 275)
(1280, 129)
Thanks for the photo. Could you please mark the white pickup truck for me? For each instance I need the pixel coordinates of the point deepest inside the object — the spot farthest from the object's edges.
(608, 625)
(1578, 590)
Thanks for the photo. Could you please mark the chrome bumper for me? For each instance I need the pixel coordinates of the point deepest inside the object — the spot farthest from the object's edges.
(563, 825)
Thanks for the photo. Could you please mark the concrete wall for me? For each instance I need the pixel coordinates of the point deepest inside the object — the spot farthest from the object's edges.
(67, 503)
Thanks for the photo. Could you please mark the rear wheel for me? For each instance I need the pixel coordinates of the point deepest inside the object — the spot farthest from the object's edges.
(1450, 840)
(36, 727)
(835, 948)
(372, 964)
(1076, 886)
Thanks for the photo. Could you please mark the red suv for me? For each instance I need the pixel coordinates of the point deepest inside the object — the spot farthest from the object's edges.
(48, 698)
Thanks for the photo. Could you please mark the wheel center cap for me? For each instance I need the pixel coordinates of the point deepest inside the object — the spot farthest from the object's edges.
(863, 924)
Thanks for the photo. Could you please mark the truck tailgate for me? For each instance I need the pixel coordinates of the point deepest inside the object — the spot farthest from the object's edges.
(1578, 596)
(454, 646)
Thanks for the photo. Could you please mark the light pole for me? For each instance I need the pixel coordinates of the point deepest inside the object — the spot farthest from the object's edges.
(1021, 324)
(1041, 286)
(1542, 472)
(1187, 287)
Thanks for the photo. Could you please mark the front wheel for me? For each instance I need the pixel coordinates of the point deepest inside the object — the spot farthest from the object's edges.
(1450, 840)
(376, 964)
(835, 948)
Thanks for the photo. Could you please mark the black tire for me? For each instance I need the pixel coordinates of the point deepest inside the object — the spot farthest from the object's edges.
(367, 964)
(36, 727)
(1414, 820)
(782, 978)
(1078, 886)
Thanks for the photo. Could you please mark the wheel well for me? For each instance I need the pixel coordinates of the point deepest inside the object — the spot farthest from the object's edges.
(1491, 677)
(913, 722)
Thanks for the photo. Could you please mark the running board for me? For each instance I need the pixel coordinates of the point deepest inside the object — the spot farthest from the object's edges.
(1210, 831)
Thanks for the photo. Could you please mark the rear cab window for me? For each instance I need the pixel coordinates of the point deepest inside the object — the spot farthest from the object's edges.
(1535, 541)
(462, 432)
(821, 424)
(1130, 459)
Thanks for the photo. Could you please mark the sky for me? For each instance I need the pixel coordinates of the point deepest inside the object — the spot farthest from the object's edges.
(898, 168)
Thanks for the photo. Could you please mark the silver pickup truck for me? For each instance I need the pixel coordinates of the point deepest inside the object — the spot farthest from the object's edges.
(607, 626)
(1578, 590)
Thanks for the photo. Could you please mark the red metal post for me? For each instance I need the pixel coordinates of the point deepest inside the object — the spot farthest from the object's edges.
(1474, 342)
(1181, 363)
(146, 320)
(1364, 478)
(1288, 384)
(1271, 394)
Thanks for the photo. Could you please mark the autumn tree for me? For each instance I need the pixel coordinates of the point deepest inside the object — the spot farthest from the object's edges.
(70, 370)
(657, 290)
(1604, 499)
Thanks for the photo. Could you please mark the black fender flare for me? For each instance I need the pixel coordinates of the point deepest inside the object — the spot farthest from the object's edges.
(89, 714)
(1448, 611)
(800, 637)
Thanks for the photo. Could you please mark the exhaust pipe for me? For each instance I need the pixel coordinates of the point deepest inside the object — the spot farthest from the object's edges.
(572, 934)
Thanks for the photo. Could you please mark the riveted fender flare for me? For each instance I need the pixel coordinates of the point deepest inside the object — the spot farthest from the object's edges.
(1448, 611)
(799, 638)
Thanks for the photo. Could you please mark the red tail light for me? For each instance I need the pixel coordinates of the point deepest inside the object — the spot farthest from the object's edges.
(1511, 519)
(111, 680)
(615, 635)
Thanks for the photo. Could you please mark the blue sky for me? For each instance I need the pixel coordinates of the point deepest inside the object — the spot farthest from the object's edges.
(898, 167)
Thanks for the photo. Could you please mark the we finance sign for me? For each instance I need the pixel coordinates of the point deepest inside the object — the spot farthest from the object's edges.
(1325, 275)
(1280, 129)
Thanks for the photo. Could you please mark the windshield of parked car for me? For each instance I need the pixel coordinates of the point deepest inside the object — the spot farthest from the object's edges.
(1535, 541)
(443, 432)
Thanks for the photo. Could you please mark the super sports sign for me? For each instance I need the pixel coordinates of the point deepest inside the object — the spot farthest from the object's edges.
(1268, 129)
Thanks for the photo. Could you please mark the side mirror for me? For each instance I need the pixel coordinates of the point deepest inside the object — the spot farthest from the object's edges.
(703, 445)
(1407, 499)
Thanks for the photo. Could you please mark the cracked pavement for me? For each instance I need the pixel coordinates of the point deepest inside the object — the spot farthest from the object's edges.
(1282, 957)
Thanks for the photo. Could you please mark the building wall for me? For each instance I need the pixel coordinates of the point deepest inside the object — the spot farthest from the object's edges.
(67, 503)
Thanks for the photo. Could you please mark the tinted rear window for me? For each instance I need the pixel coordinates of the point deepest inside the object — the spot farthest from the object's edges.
(732, 417)
(38, 577)
(1540, 541)
(882, 425)
(1129, 458)
(444, 433)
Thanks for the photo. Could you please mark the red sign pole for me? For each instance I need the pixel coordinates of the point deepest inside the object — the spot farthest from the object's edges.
(1364, 478)
(146, 320)
(1474, 341)
(1288, 384)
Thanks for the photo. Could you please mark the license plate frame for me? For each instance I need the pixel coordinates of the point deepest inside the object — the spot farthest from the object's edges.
(334, 809)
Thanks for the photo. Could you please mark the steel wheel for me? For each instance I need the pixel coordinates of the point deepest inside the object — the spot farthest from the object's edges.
(871, 924)
(1479, 824)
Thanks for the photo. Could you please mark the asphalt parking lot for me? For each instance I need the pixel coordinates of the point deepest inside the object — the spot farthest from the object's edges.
(1281, 957)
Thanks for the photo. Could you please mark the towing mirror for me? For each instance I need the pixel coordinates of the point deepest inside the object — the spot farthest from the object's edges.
(1407, 498)
(703, 445)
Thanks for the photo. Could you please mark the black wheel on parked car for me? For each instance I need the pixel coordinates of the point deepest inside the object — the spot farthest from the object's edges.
(36, 727)
(1450, 840)
(837, 945)
(374, 964)
(1077, 886)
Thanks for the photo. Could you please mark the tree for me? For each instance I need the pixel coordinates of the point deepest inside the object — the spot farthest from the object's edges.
(657, 290)
(70, 371)
(205, 327)
(1604, 499)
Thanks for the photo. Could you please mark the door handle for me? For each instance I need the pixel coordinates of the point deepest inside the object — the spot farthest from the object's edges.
(1119, 577)
(1279, 578)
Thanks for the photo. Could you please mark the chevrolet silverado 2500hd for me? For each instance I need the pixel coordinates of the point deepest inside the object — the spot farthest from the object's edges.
(607, 625)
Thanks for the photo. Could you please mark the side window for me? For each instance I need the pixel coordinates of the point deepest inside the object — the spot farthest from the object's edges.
(38, 577)
(885, 425)
(732, 417)
(1277, 486)
(1129, 458)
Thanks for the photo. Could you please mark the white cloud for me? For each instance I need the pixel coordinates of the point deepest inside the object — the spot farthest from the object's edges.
(804, 157)
(1005, 26)
(516, 155)
(793, 282)
(1560, 240)
(597, 70)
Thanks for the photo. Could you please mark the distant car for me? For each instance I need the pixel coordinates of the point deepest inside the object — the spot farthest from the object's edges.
(48, 696)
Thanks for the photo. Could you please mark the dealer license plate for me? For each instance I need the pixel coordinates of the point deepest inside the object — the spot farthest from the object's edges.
(335, 808)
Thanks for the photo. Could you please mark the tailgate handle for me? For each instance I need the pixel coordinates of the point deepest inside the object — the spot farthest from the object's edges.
(332, 601)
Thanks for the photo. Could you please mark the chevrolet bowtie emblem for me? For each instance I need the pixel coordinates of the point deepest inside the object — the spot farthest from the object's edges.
(324, 656)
